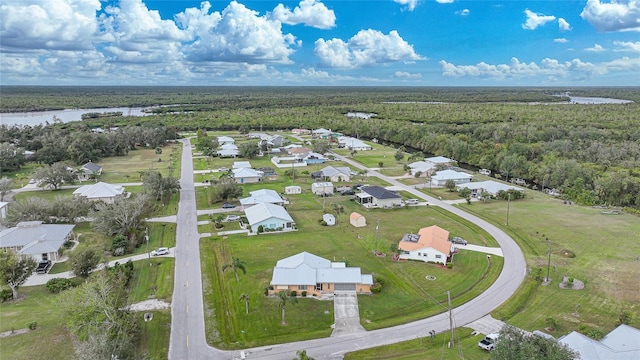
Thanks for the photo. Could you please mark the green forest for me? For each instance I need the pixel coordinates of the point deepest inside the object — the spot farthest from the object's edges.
(590, 153)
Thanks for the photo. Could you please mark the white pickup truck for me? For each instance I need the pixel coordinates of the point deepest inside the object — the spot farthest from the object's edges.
(489, 342)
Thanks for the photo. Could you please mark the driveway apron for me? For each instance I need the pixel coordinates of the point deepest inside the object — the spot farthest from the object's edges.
(347, 316)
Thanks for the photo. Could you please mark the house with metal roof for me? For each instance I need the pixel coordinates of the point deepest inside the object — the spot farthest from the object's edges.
(490, 187)
(323, 188)
(228, 153)
(226, 140)
(317, 276)
(441, 177)
(246, 176)
(101, 191)
(352, 143)
(268, 217)
(40, 241)
(241, 165)
(623, 343)
(377, 196)
(422, 167)
(335, 174)
(88, 171)
(440, 160)
(430, 244)
(262, 196)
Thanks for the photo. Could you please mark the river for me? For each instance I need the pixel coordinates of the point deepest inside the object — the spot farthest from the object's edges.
(41, 117)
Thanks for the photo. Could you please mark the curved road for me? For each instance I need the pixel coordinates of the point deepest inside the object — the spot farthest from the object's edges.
(187, 328)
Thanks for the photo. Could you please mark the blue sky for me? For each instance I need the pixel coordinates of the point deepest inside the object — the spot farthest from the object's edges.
(320, 43)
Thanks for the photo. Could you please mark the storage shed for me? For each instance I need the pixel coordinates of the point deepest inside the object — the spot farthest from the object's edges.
(357, 220)
(293, 189)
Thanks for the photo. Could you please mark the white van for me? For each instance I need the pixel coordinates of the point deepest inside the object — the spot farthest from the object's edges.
(489, 342)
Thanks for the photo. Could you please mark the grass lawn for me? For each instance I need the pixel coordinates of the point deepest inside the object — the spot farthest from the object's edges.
(154, 339)
(152, 282)
(405, 283)
(128, 168)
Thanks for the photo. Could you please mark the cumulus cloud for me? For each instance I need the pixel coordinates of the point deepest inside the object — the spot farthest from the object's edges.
(563, 25)
(535, 20)
(620, 15)
(410, 4)
(308, 12)
(407, 75)
(560, 40)
(628, 46)
(463, 12)
(51, 24)
(444, 1)
(595, 48)
(238, 34)
(366, 48)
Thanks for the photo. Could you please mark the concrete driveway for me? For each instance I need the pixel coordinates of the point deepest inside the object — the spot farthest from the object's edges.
(346, 313)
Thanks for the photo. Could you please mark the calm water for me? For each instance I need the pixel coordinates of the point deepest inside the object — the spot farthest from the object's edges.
(40, 117)
(596, 100)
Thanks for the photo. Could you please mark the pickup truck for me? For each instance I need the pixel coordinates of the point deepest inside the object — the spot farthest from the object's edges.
(489, 342)
(43, 267)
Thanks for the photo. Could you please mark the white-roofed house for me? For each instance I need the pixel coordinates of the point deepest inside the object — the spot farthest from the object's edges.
(490, 187)
(441, 177)
(226, 140)
(228, 146)
(352, 143)
(228, 153)
(322, 188)
(620, 344)
(40, 241)
(440, 160)
(268, 217)
(101, 191)
(293, 189)
(424, 168)
(335, 174)
(317, 276)
(246, 176)
(321, 133)
(241, 165)
(262, 196)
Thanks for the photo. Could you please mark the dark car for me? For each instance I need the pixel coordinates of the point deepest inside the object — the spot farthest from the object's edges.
(459, 240)
(228, 206)
(43, 267)
(347, 192)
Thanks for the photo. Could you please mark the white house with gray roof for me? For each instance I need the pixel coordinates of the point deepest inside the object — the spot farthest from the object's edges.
(440, 160)
(40, 241)
(377, 196)
(441, 177)
(317, 276)
(226, 140)
(246, 176)
(490, 187)
(623, 343)
(335, 174)
(262, 196)
(270, 217)
(101, 191)
(422, 167)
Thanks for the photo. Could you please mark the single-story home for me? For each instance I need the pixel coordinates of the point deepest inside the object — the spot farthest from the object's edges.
(228, 146)
(301, 131)
(377, 196)
(430, 244)
(620, 344)
(101, 191)
(329, 219)
(88, 171)
(441, 177)
(353, 144)
(270, 217)
(316, 276)
(40, 241)
(293, 189)
(489, 186)
(440, 160)
(262, 196)
(246, 176)
(299, 152)
(321, 133)
(4, 207)
(231, 153)
(424, 168)
(226, 140)
(335, 174)
(322, 188)
(357, 220)
(241, 165)
(314, 158)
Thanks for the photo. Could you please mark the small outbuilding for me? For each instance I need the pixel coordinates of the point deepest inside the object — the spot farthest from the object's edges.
(322, 188)
(357, 220)
(329, 219)
(292, 190)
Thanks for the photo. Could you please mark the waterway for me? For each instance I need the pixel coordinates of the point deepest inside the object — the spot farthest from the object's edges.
(67, 115)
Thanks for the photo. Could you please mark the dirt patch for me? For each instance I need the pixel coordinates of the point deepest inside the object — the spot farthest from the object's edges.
(575, 285)
(13, 333)
(153, 304)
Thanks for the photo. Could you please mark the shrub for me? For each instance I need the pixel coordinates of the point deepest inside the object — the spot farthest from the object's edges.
(6, 295)
(57, 285)
(32, 325)
(260, 229)
(304, 294)
(449, 266)
(380, 280)
(376, 288)
(266, 290)
(294, 293)
(119, 245)
(551, 322)
(323, 223)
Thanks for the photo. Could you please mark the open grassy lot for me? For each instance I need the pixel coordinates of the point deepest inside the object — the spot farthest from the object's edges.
(128, 168)
(465, 346)
(405, 284)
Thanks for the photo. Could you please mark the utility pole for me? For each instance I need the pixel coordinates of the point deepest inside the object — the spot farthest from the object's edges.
(146, 236)
(450, 320)
(549, 263)
(508, 202)
(377, 231)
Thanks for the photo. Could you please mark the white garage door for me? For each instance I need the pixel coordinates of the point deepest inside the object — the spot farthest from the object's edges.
(345, 287)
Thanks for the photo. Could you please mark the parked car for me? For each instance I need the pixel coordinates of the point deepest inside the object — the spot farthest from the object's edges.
(232, 218)
(228, 206)
(223, 169)
(347, 192)
(43, 267)
(412, 201)
(160, 251)
(489, 342)
(458, 240)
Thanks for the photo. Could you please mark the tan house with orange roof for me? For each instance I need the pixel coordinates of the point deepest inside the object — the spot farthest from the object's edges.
(430, 244)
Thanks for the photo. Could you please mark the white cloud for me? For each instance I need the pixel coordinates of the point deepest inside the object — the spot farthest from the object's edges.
(595, 48)
(628, 46)
(548, 67)
(410, 4)
(444, 1)
(463, 12)
(407, 75)
(560, 40)
(563, 25)
(366, 48)
(617, 15)
(238, 34)
(308, 12)
(51, 24)
(534, 20)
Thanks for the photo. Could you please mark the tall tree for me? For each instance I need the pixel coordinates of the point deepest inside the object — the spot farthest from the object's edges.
(249, 149)
(514, 343)
(123, 216)
(83, 260)
(53, 175)
(224, 189)
(245, 297)
(236, 264)
(285, 298)
(33, 208)
(321, 146)
(15, 270)
(159, 187)
(5, 187)
(11, 157)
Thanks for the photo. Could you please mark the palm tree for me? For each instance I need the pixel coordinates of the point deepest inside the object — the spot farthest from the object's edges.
(337, 209)
(245, 297)
(302, 355)
(235, 265)
(285, 298)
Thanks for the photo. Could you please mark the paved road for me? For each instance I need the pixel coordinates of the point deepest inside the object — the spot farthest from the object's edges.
(187, 328)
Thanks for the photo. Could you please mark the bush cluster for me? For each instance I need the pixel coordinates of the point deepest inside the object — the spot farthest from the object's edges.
(57, 285)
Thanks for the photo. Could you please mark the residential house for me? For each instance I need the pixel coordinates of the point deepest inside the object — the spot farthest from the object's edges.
(231, 153)
(322, 188)
(329, 219)
(317, 276)
(335, 174)
(222, 140)
(40, 241)
(441, 177)
(89, 171)
(101, 191)
(620, 344)
(314, 158)
(424, 168)
(440, 160)
(246, 176)
(353, 144)
(262, 196)
(357, 220)
(301, 131)
(293, 189)
(228, 146)
(490, 187)
(241, 165)
(377, 196)
(268, 217)
(430, 244)
(321, 133)
(299, 152)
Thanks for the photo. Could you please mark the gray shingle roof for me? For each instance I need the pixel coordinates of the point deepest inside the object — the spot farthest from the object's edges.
(94, 168)
(379, 192)
(34, 235)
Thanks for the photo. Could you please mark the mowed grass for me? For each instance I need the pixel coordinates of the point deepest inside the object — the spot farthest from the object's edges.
(605, 248)
(405, 284)
(129, 168)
